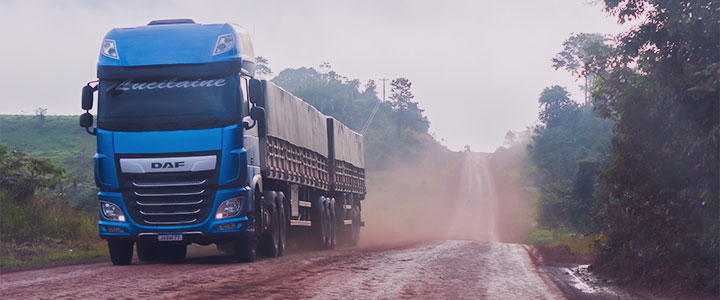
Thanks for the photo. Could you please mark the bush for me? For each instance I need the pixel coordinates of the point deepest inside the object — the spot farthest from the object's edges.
(29, 207)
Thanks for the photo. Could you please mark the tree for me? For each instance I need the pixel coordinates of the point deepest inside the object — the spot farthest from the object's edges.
(409, 114)
(577, 54)
(40, 114)
(510, 138)
(555, 104)
(21, 175)
(370, 90)
(660, 86)
(262, 68)
(400, 94)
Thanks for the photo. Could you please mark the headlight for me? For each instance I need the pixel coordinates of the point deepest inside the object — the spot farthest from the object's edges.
(229, 208)
(109, 49)
(111, 211)
(224, 43)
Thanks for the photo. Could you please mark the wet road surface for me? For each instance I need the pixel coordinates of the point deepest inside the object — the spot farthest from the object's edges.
(447, 270)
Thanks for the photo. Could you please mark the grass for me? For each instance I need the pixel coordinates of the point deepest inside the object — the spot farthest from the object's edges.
(17, 256)
(580, 244)
(38, 232)
(58, 138)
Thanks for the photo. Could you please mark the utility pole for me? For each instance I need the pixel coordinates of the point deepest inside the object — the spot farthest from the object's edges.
(383, 80)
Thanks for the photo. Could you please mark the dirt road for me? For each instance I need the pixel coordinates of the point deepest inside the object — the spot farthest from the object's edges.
(448, 270)
(462, 257)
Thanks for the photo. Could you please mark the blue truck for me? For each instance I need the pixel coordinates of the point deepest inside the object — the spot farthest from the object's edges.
(191, 148)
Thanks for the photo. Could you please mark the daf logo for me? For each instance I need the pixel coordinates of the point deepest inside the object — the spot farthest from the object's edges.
(167, 165)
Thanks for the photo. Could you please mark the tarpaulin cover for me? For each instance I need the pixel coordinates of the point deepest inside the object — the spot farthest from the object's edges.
(291, 119)
(348, 145)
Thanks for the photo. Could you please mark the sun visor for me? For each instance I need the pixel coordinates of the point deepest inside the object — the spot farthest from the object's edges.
(207, 70)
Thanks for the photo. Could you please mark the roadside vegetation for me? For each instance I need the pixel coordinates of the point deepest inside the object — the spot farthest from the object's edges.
(636, 165)
(37, 223)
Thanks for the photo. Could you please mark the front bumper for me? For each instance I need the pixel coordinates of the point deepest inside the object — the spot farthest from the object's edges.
(210, 230)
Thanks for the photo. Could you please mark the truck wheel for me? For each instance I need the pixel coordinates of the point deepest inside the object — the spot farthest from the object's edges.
(147, 251)
(121, 252)
(246, 249)
(319, 223)
(332, 224)
(282, 222)
(271, 239)
(172, 252)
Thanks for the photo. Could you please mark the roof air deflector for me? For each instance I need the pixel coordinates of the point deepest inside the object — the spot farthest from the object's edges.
(171, 21)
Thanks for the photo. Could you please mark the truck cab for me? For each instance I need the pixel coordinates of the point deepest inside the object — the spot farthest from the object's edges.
(171, 161)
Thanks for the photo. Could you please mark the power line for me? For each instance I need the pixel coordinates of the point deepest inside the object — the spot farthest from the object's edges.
(374, 111)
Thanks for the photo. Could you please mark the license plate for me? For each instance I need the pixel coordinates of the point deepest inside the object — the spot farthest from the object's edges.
(170, 237)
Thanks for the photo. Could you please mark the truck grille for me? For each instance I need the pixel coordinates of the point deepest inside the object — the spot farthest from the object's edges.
(169, 199)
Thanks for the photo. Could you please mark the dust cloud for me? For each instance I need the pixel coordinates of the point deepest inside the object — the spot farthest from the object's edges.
(448, 196)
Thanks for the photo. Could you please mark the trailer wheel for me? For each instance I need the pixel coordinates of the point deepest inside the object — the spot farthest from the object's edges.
(270, 241)
(147, 251)
(355, 231)
(332, 224)
(245, 249)
(121, 252)
(319, 227)
(327, 227)
(282, 222)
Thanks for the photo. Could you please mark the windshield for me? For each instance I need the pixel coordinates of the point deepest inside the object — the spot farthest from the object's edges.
(168, 104)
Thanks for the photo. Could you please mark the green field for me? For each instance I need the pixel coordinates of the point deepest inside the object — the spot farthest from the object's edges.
(58, 138)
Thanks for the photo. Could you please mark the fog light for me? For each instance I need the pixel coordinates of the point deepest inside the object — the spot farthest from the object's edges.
(229, 226)
(114, 229)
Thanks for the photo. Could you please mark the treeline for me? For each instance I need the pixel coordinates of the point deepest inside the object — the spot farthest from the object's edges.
(638, 162)
(397, 127)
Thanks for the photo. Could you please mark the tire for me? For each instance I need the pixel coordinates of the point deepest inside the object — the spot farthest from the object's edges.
(121, 252)
(326, 220)
(147, 251)
(332, 223)
(319, 227)
(245, 250)
(172, 251)
(270, 241)
(282, 222)
(355, 229)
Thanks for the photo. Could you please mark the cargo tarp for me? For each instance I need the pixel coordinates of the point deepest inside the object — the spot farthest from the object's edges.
(348, 145)
(291, 119)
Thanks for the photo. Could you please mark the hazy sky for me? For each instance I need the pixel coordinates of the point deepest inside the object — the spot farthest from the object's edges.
(477, 67)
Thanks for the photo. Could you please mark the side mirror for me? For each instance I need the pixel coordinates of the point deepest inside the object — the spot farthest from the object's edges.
(86, 120)
(258, 115)
(256, 92)
(87, 97)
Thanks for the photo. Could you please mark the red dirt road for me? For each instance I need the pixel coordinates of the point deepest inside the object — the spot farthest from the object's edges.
(447, 270)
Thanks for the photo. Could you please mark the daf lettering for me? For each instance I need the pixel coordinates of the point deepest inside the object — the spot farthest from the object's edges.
(167, 165)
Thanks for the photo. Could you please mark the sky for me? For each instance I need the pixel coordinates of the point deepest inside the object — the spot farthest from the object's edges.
(477, 67)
